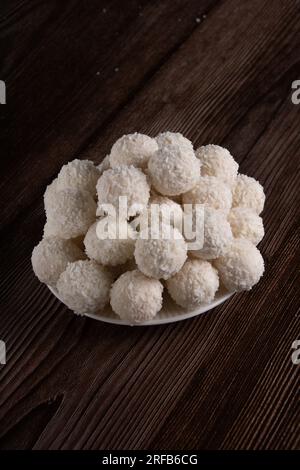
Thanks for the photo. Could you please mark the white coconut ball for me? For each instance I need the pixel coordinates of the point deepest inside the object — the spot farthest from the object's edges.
(49, 194)
(112, 250)
(49, 230)
(135, 297)
(160, 252)
(245, 223)
(123, 181)
(248, 192)
(217, 161)
(195, 284)
(217, 235)
(70, 213)
(132, 149)
(78, 174)
(84, 286)
(241, 266)
(51, 256)
(173, 139)
(174, 170)
(166, 210)
(210, 191)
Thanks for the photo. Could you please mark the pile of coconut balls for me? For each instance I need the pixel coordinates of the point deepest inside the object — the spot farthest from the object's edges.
(132, 272)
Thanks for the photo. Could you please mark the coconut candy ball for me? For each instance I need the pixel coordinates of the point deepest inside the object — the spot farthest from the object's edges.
(49, 230)
(217, 235)
(123, 181)
(78, 174)
(245, 223)
(49, 194)
(112, 250)
(135, 297)
(210, 191)
(132, 149)
(84, 286)
(173, 139)
(195, 284)
(70, 213)
(217, 161)
(174, 170)
(51, 256)
(241, 266)
(248, 192)
(162, 254)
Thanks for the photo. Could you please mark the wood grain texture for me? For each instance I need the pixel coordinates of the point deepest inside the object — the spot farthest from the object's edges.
(224, 380)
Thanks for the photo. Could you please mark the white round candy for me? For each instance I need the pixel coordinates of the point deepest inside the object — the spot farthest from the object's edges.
(49, 194)
(113, 250)
(174, 170)
(195, 284)
(162, 254)
(135, 297)
(173, 139)
(217, 161)
(78, 174)
(132, 149)
(217, 235)
(70, 213)
(51, 256)
(241, 266)
(84, 286)
(248, 192)
(123, 181)
(245, 223)
(210, 191)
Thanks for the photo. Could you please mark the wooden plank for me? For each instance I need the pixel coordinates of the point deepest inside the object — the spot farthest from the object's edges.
(86, 61)
(224, 380)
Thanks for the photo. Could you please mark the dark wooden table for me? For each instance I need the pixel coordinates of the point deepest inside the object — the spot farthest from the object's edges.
(78, 76)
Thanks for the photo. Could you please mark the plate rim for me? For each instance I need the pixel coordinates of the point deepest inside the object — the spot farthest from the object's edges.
(185, 315)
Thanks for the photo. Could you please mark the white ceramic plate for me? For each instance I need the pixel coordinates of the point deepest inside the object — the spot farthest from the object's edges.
(171, 312)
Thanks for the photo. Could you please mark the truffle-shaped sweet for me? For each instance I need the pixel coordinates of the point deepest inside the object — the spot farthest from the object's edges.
(112, 250)
(248, 192)
(70, 213)
(217, 161)
(51, 256)
(241, 266)
(173, 139)
(210, 191)
(132, 149)
(195, 284)
(160, 253)
(104, 165)
(84, 286)
(174, 170)
(123, 181)
(163, 209)
(78, 174)
(135, 297)
(217, 234)
(49, 230)
(49, 194)
(245, 223)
